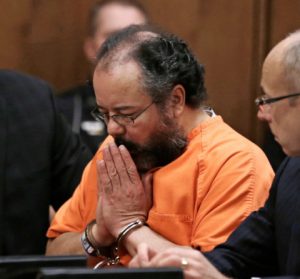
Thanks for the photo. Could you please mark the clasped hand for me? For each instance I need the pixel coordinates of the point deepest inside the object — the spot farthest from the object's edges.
(123, 198)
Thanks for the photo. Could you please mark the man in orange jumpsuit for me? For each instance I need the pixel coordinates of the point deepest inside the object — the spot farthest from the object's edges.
(206, 178)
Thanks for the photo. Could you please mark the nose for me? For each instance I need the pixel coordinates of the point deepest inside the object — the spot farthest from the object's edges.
(263, 114)
(114, 129)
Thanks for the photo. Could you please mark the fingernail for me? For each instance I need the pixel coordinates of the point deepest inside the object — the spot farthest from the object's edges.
(100, 163)
(112, 145)
(122, 147)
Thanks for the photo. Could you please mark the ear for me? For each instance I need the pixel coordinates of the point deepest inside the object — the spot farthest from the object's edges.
(178, 100)
(89, 49)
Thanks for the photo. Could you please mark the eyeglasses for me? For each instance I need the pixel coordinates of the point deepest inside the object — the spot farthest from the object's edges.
(263, 100)
(121, 119)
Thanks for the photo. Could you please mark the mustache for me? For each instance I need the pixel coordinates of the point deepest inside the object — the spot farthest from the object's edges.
(131, 146)
(163, 146)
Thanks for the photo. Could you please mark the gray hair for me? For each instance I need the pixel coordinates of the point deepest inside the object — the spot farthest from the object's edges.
(164, 60)
(291, 62)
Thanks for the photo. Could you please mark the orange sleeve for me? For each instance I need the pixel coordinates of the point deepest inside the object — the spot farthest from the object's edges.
(230, 195)
(80, 209)
(71, 217)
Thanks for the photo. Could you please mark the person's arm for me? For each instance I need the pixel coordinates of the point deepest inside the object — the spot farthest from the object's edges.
(73, 216)
(251, 250)
(233, 185)
(125, 199)
(192, 262)
(65, 244)
(62, 239)
(146, 235)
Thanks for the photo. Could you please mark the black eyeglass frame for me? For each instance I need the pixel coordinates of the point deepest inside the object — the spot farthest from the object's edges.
(263, 100)
(128, 119)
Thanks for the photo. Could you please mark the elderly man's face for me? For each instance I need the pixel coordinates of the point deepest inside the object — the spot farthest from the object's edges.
(154, 139)
(283, 116)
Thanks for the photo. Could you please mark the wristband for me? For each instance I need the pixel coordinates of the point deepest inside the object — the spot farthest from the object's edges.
(90, 246)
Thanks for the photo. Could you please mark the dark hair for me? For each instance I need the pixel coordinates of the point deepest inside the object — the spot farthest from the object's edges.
(94, 11)
(165, 61)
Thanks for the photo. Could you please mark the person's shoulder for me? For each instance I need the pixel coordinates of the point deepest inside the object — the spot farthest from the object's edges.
(287, 176)
(221, 143)
(24, 87)
(222, 136)
(289, 164)
(240, 141)
(14, 78)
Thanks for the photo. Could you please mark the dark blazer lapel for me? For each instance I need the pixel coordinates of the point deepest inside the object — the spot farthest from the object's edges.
(293, 266)
(3, 135)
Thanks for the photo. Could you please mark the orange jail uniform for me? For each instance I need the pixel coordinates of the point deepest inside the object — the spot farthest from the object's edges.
(199, 198)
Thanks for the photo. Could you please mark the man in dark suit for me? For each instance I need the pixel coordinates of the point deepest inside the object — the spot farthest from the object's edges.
(41, 162)
(267, 243)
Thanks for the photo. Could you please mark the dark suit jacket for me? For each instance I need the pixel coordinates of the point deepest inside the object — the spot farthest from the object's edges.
(76, 105)
(41, 162)
(267, 243)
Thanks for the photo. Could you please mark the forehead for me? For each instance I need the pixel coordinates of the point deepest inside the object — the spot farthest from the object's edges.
(278, 75)
(114, 16)
(273, 79)
(119, 84)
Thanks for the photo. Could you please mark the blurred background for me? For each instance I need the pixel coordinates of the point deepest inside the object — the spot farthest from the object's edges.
(230, 37)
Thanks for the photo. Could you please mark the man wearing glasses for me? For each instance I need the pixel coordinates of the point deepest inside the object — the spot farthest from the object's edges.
(267, 243)
(206, 177)
(104, 18)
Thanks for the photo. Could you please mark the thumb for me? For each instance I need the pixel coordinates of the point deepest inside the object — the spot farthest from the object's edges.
(147, 180)
(99, 182)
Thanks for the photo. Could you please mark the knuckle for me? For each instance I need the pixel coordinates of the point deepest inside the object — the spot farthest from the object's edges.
(113, 173)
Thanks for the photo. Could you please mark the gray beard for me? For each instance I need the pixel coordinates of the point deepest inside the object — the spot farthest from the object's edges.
(165, 145)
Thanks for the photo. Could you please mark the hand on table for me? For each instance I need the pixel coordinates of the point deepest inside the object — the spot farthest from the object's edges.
(193, 263)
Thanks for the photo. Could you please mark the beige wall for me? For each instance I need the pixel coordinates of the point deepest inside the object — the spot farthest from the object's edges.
(230, 37)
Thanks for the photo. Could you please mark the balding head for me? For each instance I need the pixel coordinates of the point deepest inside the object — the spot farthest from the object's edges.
(283, 62)
(164, 61)
(281, 84)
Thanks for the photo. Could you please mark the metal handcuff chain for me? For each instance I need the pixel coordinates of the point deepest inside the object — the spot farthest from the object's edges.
(116, 257)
